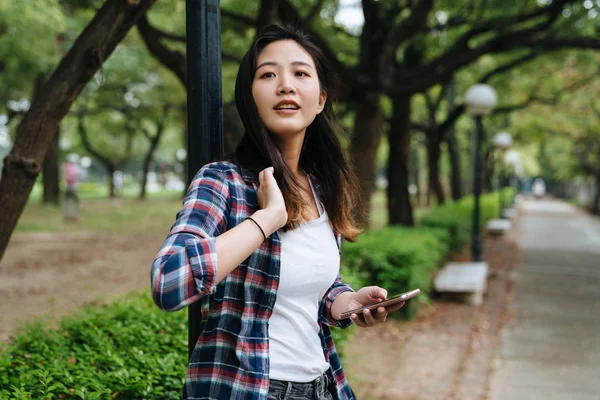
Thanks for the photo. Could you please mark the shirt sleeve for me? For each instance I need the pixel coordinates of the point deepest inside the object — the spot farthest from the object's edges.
(332, 293)
(185, 267)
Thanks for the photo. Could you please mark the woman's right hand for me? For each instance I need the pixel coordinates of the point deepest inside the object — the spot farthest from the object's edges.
(270, 198)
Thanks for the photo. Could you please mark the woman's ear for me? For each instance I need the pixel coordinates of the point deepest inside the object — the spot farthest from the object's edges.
(322, 101)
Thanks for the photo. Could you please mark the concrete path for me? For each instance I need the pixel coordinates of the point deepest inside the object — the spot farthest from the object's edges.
(551, 345)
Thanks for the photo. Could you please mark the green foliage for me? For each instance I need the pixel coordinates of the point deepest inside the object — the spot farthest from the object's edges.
(127, 350)
(28, 40)
(456, 218)
(398, 259)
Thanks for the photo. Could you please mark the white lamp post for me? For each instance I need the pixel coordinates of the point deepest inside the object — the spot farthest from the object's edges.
(480, 100)
(5, 144)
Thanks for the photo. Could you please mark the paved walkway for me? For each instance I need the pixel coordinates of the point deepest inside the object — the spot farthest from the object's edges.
(551, 345)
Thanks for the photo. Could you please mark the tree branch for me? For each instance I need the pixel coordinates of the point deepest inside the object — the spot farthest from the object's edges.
(173, 60)
(554, 43)
(435, 71)
(509, 65)
(519, 106)
(316, 10)
(442, 95)
(289, 14)
(85, 141)
(420, 127)
(451, 119)
(414, 24)
(238, 17)
(267, 14)
(461, 54)
(430, 105)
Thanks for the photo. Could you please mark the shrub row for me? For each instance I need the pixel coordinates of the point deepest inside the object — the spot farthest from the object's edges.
(457, 217)
(398, 259)
(128, 350)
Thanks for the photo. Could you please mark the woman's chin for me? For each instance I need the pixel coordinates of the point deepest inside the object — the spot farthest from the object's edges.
(285, 131)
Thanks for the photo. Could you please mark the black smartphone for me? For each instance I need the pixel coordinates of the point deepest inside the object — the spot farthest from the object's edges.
(391, 301)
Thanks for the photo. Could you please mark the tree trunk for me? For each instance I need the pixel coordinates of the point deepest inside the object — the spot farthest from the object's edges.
(51, 172)
(50, 168)
(399, 206)
(110, 169)
(433, 165)
(453, 154)
(595, 208)
(145, 170)
(95, 44)
(363, 147)
(154, 141)
(455, 172)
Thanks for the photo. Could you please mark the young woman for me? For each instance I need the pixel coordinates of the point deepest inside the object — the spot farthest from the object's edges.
(257, 240)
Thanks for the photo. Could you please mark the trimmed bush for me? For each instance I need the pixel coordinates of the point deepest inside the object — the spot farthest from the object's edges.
(398, 259)
(127, 350)
(457, 217)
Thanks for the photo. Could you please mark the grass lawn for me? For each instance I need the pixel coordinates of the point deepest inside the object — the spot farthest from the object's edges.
(127, 214)
(98, 213)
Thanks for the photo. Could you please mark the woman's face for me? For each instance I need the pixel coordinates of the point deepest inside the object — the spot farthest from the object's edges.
(286, 88)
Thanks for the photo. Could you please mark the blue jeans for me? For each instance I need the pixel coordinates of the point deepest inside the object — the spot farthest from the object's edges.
(315, 390)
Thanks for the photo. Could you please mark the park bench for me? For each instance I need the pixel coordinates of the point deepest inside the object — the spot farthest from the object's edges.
(498, 227)
(463, 281)
(509, 213)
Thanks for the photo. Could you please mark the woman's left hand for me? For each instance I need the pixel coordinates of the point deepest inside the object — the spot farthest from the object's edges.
(369, 295)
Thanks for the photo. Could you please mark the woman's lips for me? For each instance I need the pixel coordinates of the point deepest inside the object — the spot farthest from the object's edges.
(286, 111)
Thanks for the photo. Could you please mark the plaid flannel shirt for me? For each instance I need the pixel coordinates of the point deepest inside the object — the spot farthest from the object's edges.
(231, 358)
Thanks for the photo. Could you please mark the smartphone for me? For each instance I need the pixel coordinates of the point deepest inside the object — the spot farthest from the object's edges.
(389, 302)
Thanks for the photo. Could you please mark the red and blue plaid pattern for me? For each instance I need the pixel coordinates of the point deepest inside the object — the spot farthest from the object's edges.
(231, 357)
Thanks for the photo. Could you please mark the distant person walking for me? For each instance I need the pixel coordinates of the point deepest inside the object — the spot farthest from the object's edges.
(71, 200)
(539, 188)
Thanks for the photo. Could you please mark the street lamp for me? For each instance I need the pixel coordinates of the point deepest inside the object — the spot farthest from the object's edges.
(480, 100)
(5, 143)
(513, 159)
(204, 106)
(501, 142)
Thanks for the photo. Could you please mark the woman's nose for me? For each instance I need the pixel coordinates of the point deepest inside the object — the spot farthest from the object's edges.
(285, 86)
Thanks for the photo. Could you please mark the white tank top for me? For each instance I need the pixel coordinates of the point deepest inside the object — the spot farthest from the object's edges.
(310, 263)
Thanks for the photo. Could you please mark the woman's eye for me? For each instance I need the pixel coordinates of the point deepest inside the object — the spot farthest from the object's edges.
(301, 73)
(268, 75)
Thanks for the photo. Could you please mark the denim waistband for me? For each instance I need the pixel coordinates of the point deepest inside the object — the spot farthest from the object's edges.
(313, 389)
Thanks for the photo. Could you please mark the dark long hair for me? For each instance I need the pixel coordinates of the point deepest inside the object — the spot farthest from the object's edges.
(321, 155)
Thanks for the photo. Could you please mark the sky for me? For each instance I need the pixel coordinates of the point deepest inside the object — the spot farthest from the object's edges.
(350, 14)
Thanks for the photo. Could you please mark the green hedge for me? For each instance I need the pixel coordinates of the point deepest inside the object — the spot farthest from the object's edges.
(128, 350)
(457, 217)
(398, 259)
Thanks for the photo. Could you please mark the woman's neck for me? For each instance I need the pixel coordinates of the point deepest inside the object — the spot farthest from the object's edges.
(291, 148)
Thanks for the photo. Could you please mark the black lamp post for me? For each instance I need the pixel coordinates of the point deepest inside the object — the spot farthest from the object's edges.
(204, 105)
(480, 99)
(502, 141)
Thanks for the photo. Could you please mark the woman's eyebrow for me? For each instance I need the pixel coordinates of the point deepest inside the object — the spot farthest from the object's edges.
(274, 64)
